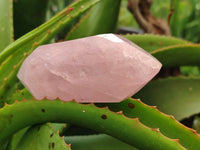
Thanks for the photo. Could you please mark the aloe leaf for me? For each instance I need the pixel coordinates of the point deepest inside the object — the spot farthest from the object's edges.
(97, 142)
(9, 92)
(42, 137)
(59, 127)
(55, 6)
(16, 138)
(48, 29)
(178, 96)
(21, 114)
(12, 57)
(20, 95)
(174, 55)
(150, 42)
(102, 18)
(149, 116)
(190, 70)
(6, 23)
(153, 118)
(175, 18)
(28, 15)
(168, 50)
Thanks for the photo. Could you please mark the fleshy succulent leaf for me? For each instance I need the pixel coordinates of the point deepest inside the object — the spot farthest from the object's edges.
(6, 23)
(19, 95)
(174, 55)
(56, 6)
(49, 29)
(17, 116)
(150, 42)
(42, 137)
(16, 138)
(150, 117)
(97, 142)
(153, 118)
(169, 51)
(92, 23)
(179, 96)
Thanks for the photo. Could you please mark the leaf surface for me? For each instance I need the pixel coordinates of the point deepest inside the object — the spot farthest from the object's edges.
(89, 116)
(178, 55)
(178, 96)
(150, 42)
(102, 18)
(97, 142)
(42, 137)
(6, 23)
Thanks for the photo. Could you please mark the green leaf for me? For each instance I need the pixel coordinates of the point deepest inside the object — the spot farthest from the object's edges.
(19, 95)
(6, 23)
(16, 138)
(97, 142)
(22, 134)
(28, 15)
(190, 70)
(168, 50)
(150, 42)
(21, 114)
(50, 28)
(150, 116)
(55, 6)
(175, 19)
(59, 127)
(178, 96)
(102, 18)
(178, 55)
(12, 57)
(42, 137)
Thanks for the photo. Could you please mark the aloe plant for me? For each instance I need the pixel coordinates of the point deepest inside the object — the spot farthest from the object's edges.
(26, 123)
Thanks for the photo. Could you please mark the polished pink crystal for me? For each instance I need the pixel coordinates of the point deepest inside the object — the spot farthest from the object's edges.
(102, 68)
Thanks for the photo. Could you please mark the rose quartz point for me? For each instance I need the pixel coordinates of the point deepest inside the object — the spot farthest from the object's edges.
(102, 68)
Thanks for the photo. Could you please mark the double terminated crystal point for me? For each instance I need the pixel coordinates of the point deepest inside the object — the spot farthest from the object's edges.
(102, 68)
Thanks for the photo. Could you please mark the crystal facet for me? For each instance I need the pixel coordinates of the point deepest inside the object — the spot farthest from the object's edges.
(102, 68)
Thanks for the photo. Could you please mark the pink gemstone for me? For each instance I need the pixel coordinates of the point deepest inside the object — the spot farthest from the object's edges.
(102, 68)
